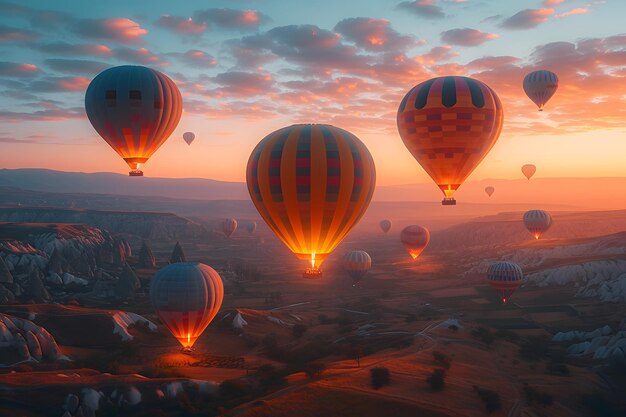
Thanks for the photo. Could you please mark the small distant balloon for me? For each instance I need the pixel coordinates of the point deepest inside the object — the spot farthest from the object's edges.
(540, 86)
(186, 296)
(505, 277)
(229, 226)
(189, 137)
(489, 190)
(537, 222)
(357, 263)
(415, 239)
(529, 170)
(251, 227)
(385, 225)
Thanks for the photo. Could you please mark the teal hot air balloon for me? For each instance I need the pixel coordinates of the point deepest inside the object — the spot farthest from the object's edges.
(537, 222)
(186, 297)
(505, 277)
(357, 263)
(135, 109)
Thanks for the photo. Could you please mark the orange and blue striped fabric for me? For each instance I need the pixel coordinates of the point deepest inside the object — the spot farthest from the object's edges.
(311, 183)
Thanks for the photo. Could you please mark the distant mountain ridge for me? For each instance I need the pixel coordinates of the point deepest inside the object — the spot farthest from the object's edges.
(585, 193)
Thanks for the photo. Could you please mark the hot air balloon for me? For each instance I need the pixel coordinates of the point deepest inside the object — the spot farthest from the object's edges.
(449, 124)
(385, 225)
(540, 86)
(415, 239)
(505, 277)
(229, 226)
(135, 109)
(189, 137)
(537, 222)
(251, 227)
(311, 184)
(489, 190)
(357, 263)
(529, 170)
(186, 297)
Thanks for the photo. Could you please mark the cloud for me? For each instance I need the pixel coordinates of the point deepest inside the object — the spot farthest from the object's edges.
(231, 18)
(466, 37)
(240, 83)
(136, 56)
(11, 69)
(577, 10)
(552, 2)
(121, 30)
(76, 66)
(422, 8)
(50, 112)
(60, 84)
(374, 34)
(195, 58)
(9, 34)
(491, 62)
(182, 25)
(67, 49)
(527, 19)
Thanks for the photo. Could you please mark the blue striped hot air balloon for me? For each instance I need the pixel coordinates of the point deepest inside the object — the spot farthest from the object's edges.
(357, 263)
(537, 222)
(540, 86)
(505, 277)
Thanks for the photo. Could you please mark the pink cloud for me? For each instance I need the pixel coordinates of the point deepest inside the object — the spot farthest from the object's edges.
(374, 34)
(11, 69)
(182, 25)
(422, 8)
(466, 37)
(231, 18)
(138, 56)
(196, 58)
(67, 49)
(121, 30)
(577, 10)
(527, 19)
(552, 2)
(9, 34)
(491, 62)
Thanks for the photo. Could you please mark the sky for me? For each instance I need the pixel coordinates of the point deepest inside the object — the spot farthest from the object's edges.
(248, 67)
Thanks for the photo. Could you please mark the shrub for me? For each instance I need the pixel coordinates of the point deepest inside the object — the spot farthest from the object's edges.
(380, 377)
(299, 330)
(559, 369)
(534, 348)
(442, 359)
(534, 396)
(484, 335)
(490, 399)
(436, 380)
(314, 369)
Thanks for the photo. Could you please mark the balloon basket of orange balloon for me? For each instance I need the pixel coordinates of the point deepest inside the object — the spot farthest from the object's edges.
(135, 173)
(448, 201)
(312, 273)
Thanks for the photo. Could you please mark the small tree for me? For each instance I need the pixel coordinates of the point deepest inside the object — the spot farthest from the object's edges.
(442, 359)
(314, 369)
(490, 399)
(299, 330)
(380, 377)
(436, 380)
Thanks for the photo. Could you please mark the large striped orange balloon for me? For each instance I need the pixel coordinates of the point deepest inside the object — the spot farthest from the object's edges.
(449, 124)
(135, 109)
(311, 183)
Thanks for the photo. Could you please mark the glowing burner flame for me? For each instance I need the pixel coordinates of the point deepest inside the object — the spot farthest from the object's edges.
(312, 260)
(536, 237)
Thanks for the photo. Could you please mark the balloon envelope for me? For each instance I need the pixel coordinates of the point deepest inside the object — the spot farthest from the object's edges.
(415, 239)
(251, 227)
(449, 124)
(537, 222)
(540, 86)
(311, 184)
(489, 190)
(186, 296)
(189, 137)
(505, 277)
(385, 225)
(135, 109)
(229, 226)
(357, 263)
(529, 170)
